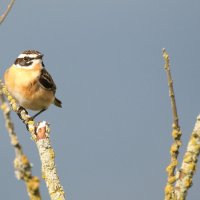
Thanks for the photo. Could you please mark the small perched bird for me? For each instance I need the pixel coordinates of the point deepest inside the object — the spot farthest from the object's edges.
(30, 84)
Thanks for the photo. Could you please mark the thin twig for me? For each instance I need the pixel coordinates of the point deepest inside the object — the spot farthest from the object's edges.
(40, 134)
(21, 163)
(171, 89)
(176, 134)
(4, 15)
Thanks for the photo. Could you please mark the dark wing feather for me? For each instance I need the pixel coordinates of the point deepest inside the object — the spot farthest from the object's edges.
(46, 81)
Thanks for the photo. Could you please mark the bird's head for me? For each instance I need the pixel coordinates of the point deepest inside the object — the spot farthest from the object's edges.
(28, 59)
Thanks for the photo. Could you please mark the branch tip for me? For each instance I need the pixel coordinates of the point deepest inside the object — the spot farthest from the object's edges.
(4, 15)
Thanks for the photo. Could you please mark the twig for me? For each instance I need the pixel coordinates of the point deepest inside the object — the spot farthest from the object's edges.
(171, 89)
(21, 163)
(176, 134)
(4, 15)
(40, 134)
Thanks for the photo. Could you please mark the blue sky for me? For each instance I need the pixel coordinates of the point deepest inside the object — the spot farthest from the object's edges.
(112, 136)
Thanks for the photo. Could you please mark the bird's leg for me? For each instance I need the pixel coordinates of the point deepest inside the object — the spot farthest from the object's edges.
(34, 116)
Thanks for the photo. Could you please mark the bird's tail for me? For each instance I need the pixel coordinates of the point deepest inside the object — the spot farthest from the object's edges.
(57, 102)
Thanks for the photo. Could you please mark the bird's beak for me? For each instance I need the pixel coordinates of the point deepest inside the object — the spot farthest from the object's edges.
(40, 56)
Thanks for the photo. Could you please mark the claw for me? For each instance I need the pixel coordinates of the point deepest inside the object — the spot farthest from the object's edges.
(20, 109)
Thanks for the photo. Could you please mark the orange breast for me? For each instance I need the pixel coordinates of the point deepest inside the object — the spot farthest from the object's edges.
(24, 87)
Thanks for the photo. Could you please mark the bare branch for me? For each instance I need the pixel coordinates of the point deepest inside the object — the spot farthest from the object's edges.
(171, 89)
(176, 134)
(4, 15)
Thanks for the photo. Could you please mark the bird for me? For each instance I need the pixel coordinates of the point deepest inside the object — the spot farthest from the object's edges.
(28, 81)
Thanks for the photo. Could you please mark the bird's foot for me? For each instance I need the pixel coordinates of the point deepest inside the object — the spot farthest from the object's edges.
(20, 109)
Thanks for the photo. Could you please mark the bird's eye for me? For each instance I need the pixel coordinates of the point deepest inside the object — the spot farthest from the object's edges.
(27, 59)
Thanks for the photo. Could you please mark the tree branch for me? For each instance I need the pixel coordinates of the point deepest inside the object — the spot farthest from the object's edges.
(4, 15)
(40, 134)
(188, 167)
(21, 163)
(176, 134)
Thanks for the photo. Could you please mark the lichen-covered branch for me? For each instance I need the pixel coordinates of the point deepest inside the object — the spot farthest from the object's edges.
(47, 156)
(188, 167)
(40, 134)
(4, 15)
(21, 163)
(176, 134)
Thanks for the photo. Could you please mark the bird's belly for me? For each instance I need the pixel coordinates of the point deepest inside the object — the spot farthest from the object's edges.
(37, 103)
(33, 99)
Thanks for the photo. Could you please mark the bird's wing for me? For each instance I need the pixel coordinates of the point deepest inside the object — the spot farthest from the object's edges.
(46, 81)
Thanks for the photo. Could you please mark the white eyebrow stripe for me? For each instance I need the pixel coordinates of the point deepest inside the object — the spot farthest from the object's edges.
(27, 55)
